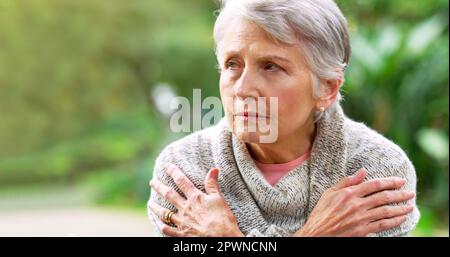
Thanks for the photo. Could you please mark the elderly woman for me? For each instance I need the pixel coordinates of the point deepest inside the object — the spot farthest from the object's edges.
(324, 175)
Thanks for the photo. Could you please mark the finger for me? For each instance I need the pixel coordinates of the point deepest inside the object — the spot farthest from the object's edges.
(351, 180)
(183, 182)
(168, 230)
(385, 212)
(388, 197)
(211, 181)
(158, 210)
(168, 193)
(161, 211)
(385, 224)
(379, 184)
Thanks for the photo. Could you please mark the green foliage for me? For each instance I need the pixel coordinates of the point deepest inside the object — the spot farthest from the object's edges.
(76, 77)
(118, 141)
(404, 73)
(433, 142)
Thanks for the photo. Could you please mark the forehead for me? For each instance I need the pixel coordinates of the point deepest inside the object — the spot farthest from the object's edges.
(248, 38)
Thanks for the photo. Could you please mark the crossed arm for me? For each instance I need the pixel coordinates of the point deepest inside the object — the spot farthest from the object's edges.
(350, 208)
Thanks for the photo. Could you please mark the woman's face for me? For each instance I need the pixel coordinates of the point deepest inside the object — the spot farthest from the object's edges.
(255, 65)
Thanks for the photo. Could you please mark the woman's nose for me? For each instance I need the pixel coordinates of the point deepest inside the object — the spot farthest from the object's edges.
(247, 85)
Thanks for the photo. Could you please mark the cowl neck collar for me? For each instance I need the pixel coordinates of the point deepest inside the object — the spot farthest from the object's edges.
(324, 168)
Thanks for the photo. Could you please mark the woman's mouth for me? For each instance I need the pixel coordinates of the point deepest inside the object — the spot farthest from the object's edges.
(249, 116)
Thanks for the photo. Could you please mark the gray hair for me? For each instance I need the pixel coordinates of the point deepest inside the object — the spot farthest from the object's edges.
(318, 25)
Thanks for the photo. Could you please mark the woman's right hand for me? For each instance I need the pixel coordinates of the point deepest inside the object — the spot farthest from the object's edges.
(353, 208)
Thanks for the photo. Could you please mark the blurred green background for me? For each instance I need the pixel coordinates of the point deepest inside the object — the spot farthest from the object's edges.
(85, 86)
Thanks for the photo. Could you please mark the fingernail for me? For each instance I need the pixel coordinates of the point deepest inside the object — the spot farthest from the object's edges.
(358, 173)
(411, 193)
(216, 170)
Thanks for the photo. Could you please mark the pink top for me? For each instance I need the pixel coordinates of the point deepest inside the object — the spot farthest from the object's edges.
(274, 172)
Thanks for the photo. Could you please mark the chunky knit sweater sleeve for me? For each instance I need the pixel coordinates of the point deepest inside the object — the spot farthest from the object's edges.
(389, 160)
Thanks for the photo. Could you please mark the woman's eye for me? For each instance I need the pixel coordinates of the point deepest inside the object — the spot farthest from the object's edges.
(272, 67)
(231, 65)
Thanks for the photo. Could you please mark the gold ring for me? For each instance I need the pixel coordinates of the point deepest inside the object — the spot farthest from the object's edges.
(168, 217)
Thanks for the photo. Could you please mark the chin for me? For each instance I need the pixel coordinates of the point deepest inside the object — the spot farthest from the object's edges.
(248, 137)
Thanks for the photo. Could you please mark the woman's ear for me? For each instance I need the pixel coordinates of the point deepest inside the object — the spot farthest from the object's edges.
(330, 93)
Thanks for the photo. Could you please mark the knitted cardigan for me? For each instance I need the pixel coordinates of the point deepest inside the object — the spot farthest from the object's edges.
(340, 149)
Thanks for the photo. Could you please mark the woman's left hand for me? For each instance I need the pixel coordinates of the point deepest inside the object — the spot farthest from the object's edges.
(200, 214)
